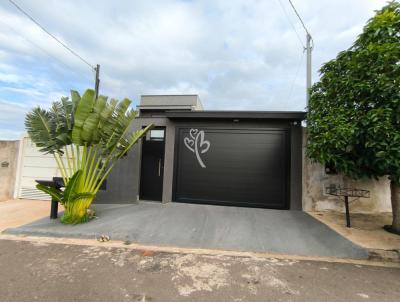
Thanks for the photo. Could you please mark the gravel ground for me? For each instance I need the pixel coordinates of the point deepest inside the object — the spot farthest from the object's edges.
(38, 271)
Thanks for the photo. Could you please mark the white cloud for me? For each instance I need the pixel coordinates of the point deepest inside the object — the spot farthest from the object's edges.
(12, 119)
(8, 134)
(238, 54)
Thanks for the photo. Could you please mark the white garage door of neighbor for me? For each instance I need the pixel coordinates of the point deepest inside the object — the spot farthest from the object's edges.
(33, 165)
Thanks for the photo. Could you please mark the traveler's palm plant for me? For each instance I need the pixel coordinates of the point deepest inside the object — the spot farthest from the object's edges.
(86, 136)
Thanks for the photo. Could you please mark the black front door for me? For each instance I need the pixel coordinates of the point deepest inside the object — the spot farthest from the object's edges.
(152, 168)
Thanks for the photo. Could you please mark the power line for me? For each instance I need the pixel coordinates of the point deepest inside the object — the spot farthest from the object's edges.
(295, 76)
(309, 48)
(41, 48)
(291, 23)
(51, 35)
(301, 20)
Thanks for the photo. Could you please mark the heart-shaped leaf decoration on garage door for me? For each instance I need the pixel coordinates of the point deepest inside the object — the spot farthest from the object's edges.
(197, 144)
(189, 143)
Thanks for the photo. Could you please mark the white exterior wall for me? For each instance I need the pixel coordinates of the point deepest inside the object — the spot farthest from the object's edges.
(33, 165)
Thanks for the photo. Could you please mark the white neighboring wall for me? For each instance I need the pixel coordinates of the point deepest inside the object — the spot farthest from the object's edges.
(33, 165)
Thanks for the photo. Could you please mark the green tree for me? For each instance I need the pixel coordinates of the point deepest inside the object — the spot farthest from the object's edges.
(354, 110)
(86, 136)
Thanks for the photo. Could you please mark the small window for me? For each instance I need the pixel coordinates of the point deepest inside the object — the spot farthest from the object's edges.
(155, 135)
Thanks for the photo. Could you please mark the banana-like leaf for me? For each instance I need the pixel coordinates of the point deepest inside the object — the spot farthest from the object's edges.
(89, 128)
(82, 195)
(53, 192)
(107, 112)
(100, 104)
(76, 98)
(134, 138)
(71, 186)
(84, 121)
(85, 107)
(122, 108)
(99, 107)
(117, 129)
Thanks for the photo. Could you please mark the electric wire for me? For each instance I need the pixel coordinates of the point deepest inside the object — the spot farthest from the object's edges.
(291, 23)
(51, 35)
(295, 76)
(42, 49)
(301, 20)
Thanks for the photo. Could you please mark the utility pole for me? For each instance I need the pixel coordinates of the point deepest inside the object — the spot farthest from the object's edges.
(309, 47)
(97, 80)
(308, 50)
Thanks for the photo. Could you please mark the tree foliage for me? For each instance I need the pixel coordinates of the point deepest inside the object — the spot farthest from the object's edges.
(354, 110)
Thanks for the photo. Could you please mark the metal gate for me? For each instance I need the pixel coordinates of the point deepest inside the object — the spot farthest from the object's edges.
(241, 167)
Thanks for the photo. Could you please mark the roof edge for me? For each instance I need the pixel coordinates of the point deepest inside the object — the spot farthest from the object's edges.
(288, 115)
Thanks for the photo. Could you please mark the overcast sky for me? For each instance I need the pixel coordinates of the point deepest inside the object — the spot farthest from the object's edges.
(236, 55)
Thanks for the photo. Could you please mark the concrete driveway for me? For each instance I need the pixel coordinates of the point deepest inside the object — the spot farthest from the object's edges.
(206, 226)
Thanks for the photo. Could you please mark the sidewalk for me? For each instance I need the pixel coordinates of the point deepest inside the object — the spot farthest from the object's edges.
(17, 212)
(366, 231)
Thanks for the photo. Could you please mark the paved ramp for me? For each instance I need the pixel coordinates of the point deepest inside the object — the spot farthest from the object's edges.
(206, 226)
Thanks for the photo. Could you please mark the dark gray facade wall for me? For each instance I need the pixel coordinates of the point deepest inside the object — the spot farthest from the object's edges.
(296, 167)
(124, 181)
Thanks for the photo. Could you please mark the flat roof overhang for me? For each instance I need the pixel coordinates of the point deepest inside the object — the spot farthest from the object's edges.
(260, 115)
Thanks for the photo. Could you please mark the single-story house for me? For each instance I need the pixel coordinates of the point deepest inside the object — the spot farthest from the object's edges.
(239, 158)
(243, 158)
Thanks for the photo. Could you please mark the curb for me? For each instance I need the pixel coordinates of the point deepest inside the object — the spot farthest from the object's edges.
(373, 260)
(384, 255)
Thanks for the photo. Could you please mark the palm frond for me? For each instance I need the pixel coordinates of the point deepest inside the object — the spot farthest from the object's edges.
(61, 118)
(41, 130)
(67, 110)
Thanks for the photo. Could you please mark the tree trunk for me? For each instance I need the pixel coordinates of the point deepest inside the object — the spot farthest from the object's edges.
(395, 197)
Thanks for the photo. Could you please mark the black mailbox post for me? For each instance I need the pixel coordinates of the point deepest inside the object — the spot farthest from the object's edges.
(56, 183)
(346, 193)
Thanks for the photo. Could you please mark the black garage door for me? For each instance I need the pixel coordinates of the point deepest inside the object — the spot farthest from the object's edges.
(232, 167)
